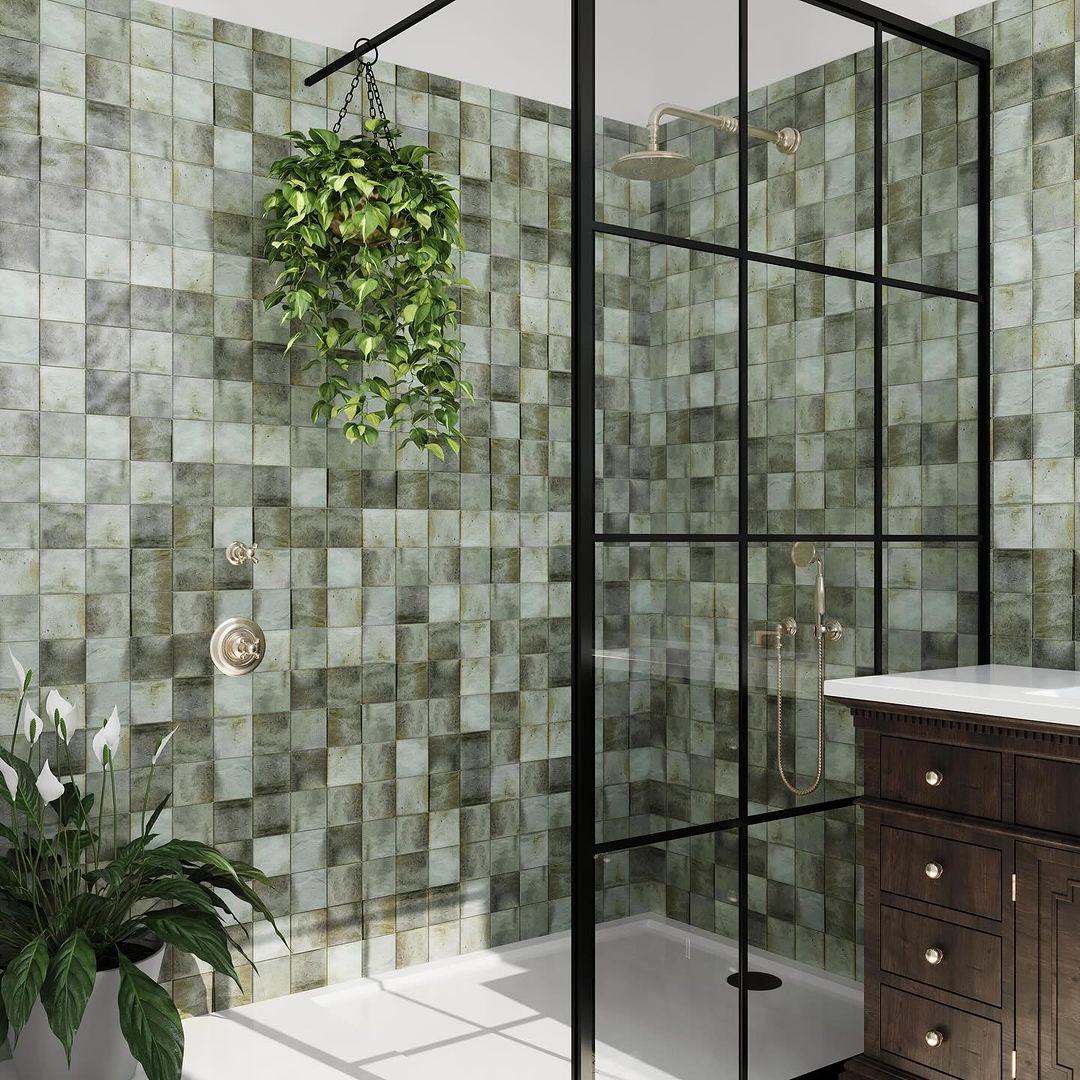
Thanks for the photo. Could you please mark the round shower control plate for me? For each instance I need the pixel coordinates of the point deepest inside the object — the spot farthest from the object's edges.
(237, 646)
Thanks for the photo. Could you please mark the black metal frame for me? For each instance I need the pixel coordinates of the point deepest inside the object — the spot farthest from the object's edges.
(585, 539)
(372, 44)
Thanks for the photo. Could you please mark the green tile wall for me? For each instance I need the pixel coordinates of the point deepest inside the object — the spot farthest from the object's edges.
(399, 763)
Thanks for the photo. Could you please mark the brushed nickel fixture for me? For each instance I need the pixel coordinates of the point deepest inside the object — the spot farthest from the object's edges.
(239, 553)
(652, 163)
(805, 554)
(237, 646)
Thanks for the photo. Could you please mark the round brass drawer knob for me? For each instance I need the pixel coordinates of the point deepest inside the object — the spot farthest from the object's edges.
(934, 1038)
(934, 955)
(934, 778)
(934, 870)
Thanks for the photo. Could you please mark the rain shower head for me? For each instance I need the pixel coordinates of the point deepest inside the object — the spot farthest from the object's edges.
(655, 164)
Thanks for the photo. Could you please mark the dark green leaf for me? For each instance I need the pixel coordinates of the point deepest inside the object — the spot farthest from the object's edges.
(182, 891)
(21, 982)
(150, 1024)
(158, 810)
(72, 807)
(191, 851)
(195, 933)
(67, 987)
(242, 891)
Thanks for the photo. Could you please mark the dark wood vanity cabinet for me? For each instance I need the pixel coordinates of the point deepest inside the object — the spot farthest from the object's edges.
(972, 891)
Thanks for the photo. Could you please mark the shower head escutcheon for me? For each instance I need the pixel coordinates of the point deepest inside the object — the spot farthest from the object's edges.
(652, 163)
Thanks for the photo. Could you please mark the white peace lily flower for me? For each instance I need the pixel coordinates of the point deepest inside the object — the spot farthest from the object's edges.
(162, 743)
(11, 777)
(20, 671)
(61, 710)
(107, 740)
(49, 788)
(31, 725)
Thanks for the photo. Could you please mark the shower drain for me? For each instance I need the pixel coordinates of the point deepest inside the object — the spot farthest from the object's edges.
(758, 980)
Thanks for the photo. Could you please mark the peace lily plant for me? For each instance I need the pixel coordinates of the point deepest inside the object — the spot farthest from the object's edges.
(73, 909)
(365, 235)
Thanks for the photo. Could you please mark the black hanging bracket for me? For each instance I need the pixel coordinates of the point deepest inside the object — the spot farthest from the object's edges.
(372, 44)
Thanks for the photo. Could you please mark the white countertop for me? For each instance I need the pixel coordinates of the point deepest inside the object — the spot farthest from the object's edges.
(1048, 695)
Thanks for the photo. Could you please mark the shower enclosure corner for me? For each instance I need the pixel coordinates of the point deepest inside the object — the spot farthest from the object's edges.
(781, 467)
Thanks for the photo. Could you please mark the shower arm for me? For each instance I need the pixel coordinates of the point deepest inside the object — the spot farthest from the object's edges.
(786, 140)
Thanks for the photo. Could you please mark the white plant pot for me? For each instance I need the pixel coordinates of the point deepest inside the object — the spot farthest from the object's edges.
(99, 1051)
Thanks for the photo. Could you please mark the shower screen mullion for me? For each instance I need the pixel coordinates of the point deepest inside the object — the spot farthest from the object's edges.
(582, 547)
(744, 526)
(984, 366)
(879, 350)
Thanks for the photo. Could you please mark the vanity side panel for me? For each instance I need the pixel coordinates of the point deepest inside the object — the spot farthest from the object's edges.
(872, 930)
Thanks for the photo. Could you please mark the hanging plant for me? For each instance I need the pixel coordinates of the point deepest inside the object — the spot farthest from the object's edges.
(366, 236)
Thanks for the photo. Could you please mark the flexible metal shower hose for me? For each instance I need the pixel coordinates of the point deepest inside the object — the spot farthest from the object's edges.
(780, 718)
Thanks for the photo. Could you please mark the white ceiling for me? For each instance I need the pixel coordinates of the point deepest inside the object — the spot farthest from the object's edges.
(647, 50)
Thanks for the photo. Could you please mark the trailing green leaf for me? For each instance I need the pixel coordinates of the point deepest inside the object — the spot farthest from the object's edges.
(67, 987)
(367, 236)
(150, 1023)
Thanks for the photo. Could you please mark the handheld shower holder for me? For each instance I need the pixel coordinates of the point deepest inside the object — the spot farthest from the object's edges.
(804, 554)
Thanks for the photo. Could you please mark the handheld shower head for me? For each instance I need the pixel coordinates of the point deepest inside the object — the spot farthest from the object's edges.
(804, 554)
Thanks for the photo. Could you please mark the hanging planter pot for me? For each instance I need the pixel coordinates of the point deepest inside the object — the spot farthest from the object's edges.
(365, 235)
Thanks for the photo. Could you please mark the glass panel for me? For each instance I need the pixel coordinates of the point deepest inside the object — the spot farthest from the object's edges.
(818, 203)
(666, 945)
(811, 447)
(667, 686)
(931, 415)
(932, 166)
(778, 589)
(686, 184)
(806, 933)
(667, 389)
(931, 606)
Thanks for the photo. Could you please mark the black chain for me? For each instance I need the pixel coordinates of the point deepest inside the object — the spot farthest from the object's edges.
(365, 71)
(375, 105)
(352, 89)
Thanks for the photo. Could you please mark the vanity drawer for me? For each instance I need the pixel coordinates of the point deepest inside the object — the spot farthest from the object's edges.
(941, 777)
(969, 1046)
(939, 954)
(952, 873)
(1046, 794)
